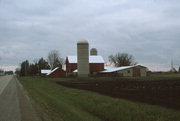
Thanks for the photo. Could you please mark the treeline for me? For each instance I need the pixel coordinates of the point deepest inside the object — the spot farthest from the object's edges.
(33, 69)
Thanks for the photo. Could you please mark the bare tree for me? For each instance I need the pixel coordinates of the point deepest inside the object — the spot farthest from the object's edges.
(122, 59)
(54, 59)
(17, 71)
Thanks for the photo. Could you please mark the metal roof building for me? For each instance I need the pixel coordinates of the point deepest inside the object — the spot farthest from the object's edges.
(136, 70)
(57, 72)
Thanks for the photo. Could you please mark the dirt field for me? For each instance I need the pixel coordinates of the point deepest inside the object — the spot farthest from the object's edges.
(164, 92)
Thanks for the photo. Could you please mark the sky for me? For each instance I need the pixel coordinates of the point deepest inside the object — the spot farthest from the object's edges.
(147, 29)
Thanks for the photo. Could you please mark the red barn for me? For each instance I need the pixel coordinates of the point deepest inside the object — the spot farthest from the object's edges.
(71, 64)
(57, 72)
(96, 64)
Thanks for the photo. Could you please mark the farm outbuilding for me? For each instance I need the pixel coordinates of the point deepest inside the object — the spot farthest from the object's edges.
(126, 71)
(57, 72)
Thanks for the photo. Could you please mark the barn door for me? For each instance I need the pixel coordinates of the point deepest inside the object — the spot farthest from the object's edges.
(136, 72)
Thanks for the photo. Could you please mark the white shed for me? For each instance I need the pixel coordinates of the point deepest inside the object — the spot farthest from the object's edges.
(137, 70)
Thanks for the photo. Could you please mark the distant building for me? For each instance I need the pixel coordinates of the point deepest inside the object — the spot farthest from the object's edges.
(8, 72)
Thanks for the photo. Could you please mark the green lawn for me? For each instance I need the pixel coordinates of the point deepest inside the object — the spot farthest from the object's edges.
(66, 104)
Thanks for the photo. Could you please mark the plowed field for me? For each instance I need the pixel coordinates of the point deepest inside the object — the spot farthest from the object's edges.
(164, 92)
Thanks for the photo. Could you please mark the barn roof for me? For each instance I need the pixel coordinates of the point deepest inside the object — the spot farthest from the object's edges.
(114, 69)
(92, 59)
(75, 71)
(45, 71)
(52, 71)
(109, 69)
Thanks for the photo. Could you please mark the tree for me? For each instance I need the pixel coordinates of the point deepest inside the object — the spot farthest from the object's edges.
(17, 71)
(54, 59)
(38, 65)
(33, 69)
(24, 68)
(43, 64)
(122, 59)
(1, 72)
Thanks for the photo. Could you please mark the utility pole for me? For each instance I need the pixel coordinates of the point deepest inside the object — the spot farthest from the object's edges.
(25, 69)
(172, 64)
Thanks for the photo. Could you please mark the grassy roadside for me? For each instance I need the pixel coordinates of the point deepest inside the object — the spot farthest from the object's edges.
(66, 104)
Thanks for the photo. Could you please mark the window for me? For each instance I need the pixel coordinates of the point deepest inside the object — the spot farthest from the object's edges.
(128, 71)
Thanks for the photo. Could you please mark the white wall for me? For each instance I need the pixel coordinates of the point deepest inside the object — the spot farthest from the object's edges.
(143, 72)
(125, 72)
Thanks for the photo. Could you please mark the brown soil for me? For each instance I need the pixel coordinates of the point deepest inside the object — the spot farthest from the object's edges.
(164, 92)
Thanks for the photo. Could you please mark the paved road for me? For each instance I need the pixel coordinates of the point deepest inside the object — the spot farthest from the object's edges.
(14, 102)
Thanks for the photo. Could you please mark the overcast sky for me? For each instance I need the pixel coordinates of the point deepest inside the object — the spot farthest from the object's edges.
(147, 29)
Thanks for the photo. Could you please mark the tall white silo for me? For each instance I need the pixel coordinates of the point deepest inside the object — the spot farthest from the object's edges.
(93, 52)
(83, 58)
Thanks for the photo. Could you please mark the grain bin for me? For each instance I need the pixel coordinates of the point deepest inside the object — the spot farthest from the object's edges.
(93, 52)
(83, 58)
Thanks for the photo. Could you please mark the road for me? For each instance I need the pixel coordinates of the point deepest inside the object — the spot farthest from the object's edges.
(15, 104)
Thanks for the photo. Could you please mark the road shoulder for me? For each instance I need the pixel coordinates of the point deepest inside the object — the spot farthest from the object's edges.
(28, 112)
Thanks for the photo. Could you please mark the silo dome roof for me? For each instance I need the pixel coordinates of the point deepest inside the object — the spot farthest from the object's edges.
(82, 42)
(93, 49)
